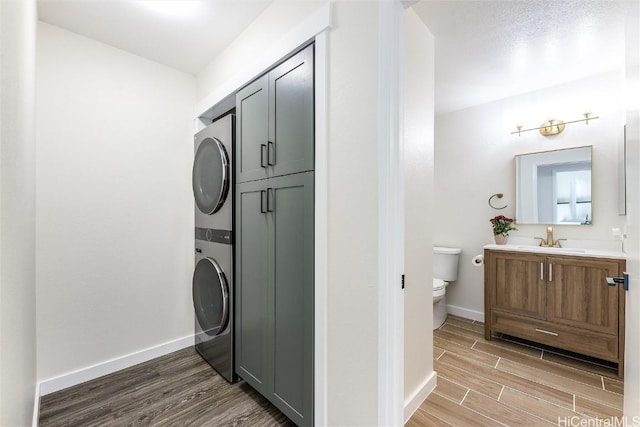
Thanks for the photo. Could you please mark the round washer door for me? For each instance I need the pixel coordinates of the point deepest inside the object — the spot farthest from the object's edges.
(210, 296)
(210, 176)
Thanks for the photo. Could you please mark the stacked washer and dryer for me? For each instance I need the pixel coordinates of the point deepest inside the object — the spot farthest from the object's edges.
(213, 289)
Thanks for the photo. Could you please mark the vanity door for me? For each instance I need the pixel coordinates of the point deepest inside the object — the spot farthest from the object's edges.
(518, 283)
(578, 294)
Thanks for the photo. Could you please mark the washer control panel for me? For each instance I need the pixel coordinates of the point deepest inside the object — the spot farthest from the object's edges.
(214, 235)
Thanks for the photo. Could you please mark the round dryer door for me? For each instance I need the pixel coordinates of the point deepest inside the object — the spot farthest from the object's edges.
(210, 177)
(210, 296)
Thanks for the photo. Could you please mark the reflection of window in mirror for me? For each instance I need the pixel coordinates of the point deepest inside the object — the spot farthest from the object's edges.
(573, 195)
(554, 187)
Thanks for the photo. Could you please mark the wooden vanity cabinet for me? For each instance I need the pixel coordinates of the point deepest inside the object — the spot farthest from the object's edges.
(559, 300)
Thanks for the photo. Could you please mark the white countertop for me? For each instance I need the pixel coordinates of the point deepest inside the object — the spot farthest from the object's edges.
(594, 253)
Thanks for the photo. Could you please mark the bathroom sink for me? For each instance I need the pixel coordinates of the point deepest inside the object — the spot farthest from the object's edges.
(577, 250)
(553, 250)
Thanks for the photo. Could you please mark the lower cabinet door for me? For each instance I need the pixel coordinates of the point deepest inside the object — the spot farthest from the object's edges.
(275, 291)
(291, 207)
(578, 294)
(518, 283)
(253, 332)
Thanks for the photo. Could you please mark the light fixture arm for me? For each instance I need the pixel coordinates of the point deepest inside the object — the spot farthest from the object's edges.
(554, 124)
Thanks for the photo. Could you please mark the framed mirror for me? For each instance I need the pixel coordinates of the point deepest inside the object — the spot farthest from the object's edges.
(554, 187)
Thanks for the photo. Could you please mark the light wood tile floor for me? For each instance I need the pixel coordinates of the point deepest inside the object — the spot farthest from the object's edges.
(505, 383)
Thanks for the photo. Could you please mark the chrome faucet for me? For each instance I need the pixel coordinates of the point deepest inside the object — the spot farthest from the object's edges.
(549, 243)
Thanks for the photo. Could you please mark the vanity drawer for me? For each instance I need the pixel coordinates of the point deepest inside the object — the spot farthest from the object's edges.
(582, 341)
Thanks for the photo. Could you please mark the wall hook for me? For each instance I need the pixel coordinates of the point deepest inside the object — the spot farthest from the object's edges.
(499, 196)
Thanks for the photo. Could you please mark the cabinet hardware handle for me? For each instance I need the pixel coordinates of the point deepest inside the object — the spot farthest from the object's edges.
(624, 280)
(551, 272)
(262, 194)
(263, 149)
(269, 199)
(555, 334)
(271, 147)
(542, 271)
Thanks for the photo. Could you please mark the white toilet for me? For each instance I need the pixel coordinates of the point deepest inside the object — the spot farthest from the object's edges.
(445, 270)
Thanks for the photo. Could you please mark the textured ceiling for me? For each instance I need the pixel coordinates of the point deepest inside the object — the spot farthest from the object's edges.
(489, 50)
(187, 41)
(485, 49)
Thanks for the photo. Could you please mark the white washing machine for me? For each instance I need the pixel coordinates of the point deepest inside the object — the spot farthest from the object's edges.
(213, 286)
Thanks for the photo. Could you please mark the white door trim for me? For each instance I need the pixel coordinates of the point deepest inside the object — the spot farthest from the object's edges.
(321, 256)
(632, 221)
(391, 217)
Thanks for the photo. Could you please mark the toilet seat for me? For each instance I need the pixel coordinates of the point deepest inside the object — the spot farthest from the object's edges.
(439, 284)
(439, 287)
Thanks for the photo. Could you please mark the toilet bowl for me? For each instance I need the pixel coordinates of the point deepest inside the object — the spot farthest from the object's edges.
(439, 302)
(445, 270)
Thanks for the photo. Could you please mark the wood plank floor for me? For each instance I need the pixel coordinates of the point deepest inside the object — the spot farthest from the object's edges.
(480, 383)
(504, 383)
(179, 389)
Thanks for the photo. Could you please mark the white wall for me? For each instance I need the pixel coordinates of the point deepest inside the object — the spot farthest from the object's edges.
(353, 215)
(252, 48)
(114, 205)
(17, 213)
(418, 169)
(474, 159)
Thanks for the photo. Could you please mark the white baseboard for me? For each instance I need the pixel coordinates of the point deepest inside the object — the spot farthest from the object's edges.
(91, 372)
(466, 313)
(412, 404)
(36, 407)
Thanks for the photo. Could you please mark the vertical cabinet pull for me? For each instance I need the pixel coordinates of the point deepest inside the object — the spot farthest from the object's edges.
(263, 151)
(269, 199)
(262, 195)
(542, 271)
(550, 272)
(271, 153)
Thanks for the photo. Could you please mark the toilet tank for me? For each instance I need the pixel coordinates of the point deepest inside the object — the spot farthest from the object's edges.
(445, 263)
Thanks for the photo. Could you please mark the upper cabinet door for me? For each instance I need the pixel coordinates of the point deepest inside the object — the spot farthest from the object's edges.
(275, 125)
(252, 131)
(291, 115)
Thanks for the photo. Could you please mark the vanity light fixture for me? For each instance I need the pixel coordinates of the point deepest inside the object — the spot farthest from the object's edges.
(551, 127)
(554, 127)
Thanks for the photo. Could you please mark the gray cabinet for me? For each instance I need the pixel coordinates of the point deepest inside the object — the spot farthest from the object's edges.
(274, 235)
(275, 291)
(275, 126)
